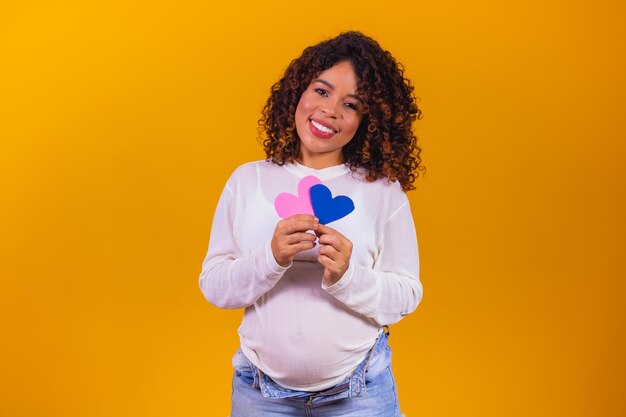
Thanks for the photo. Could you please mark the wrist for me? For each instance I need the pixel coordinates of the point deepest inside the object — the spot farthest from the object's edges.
(272, 261)
(282, 262)
(332, 278)
(338, 284)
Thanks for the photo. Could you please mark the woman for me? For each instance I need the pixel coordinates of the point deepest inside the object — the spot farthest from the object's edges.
(317, 242)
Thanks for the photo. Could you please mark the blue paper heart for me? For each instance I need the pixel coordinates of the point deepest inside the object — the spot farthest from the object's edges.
(327, 208)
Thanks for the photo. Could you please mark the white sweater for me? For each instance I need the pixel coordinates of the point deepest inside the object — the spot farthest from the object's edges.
(305, 335)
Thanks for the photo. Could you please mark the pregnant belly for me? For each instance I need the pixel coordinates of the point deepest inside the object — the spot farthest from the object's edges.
(302, 337)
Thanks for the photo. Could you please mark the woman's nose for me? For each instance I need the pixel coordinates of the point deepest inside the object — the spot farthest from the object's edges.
(330, 108)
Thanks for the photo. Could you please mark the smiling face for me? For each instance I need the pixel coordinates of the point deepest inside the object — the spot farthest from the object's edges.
(328, 115)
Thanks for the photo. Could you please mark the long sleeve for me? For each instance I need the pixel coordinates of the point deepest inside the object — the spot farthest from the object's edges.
(230, 278)
(391, 289)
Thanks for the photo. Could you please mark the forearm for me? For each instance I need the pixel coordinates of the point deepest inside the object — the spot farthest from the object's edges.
(385, 297)
(229, 282)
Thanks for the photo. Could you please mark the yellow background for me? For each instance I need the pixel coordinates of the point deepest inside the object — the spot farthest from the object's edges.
(121, 120)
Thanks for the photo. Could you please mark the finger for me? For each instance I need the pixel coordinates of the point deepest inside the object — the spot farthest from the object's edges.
(323, 229)
(302, 217)
(300, 237)
(328, 239)
(332, 270)
(330, 236)
(301, 247)
(291, 225)
(327, 263)
(329, 251)
(338, 242)
(288, 251)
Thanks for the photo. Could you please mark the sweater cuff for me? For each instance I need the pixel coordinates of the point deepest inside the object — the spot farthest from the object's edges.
(274, 266)
(343, 282)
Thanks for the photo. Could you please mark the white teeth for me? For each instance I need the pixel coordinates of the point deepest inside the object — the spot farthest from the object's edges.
(321, 127)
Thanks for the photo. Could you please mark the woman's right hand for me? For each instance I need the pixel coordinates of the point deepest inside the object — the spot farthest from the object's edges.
(290, 237)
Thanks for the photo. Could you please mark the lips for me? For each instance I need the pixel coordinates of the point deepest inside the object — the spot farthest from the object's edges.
(321, 130)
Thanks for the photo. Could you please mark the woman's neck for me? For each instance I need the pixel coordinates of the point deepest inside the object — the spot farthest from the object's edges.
(321, 161)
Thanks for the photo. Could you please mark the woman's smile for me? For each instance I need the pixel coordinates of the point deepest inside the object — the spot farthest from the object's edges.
(320, 129)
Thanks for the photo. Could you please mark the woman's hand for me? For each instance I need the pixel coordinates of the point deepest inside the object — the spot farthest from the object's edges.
(290, 237)
(335, 251)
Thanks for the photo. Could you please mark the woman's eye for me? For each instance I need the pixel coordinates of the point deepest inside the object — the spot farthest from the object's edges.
(321, 92)
(352, 106)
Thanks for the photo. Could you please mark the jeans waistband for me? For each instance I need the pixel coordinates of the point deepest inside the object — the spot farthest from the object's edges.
(377, 359)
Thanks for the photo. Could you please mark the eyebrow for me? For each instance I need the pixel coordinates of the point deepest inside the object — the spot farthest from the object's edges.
(332, 87)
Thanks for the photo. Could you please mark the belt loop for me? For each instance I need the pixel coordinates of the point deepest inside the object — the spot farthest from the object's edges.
(257, 378)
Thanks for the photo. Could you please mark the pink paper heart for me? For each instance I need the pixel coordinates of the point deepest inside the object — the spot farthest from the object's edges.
(288, 204)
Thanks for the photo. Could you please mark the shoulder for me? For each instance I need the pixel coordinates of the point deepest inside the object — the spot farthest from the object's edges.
(248, 168)
(387, 195)
(250, 173)
(253, 169)
(381, 187)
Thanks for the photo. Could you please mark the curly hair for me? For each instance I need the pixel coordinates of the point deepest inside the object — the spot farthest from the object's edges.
(384, 144)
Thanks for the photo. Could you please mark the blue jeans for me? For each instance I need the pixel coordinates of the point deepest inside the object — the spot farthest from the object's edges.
(370, 391)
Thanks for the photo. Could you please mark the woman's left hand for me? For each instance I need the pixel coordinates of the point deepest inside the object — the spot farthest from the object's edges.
(334, 253)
